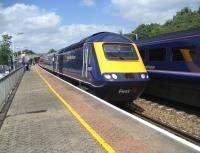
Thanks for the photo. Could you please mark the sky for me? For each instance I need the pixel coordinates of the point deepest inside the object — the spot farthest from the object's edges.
(47, 24)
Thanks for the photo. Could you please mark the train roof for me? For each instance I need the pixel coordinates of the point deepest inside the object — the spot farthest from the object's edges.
(170, 37)
(98, 37)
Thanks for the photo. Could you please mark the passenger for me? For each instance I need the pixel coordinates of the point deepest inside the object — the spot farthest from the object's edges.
(27, 63)
(31, 61)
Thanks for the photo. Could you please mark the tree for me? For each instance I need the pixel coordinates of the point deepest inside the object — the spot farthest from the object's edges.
(147, 30)
(5, 52)
(184, 19)
(130, 35)
(28, 51)
(25, 51)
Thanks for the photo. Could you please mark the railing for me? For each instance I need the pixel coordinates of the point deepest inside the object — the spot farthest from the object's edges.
(8, 83)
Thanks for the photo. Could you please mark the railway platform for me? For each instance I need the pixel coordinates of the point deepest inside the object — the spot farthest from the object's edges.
(49, 115)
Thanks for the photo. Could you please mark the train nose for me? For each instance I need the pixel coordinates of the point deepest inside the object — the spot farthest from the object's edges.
(123, 91)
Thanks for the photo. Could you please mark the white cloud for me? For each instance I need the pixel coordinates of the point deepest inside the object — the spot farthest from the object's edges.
(88, 2)
(42, 29)
(147, 11)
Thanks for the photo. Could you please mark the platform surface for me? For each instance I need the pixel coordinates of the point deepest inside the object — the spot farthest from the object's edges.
(38, 122)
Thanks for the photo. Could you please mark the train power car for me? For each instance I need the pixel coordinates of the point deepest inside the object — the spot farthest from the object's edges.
(107, 62)
(173, 63)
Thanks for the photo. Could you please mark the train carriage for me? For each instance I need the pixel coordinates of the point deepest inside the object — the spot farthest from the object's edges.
(107, 62)
(173, 63)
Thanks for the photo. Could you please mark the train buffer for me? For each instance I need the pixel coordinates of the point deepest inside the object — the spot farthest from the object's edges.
(49, 115)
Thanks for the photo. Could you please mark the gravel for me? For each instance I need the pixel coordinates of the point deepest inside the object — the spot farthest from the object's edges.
(180, 120)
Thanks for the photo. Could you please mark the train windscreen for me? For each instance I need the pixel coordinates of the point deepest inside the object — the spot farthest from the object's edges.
(120, 51)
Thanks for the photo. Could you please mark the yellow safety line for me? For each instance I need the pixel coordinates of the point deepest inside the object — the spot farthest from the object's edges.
(96, 136)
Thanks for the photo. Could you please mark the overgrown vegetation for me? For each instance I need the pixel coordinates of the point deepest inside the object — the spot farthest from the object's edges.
(183, 20)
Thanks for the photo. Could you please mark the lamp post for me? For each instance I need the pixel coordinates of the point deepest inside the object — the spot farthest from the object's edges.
(21, 52)
(136, 35)
(20, 49)
(13, 46)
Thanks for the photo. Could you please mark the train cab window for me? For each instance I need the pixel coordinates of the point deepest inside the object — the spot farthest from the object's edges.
(186, 54)
(119, 51)
(157, 54)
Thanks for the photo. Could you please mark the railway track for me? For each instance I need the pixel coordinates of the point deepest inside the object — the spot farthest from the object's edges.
(189, 132)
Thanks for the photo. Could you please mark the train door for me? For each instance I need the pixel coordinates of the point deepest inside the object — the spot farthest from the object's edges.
(56, 63)
(85, 61)
(60, 64)
(87, 58)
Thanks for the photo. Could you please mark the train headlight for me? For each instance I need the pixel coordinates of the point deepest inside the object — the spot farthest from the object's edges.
(142, 76)
(107, 76)
(147, 76)
(114, 76)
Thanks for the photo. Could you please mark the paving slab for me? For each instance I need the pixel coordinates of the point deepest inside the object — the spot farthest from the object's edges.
(38, 122)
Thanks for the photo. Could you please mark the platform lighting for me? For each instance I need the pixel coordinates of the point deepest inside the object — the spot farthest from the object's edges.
(114, 76)
(107, 76)
(143, 76)
(13, 45)
(136, 35)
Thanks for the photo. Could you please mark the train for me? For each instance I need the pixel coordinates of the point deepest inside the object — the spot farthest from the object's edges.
(173, 64)
(106, 62)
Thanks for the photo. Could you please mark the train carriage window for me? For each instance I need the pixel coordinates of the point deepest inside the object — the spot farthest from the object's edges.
(186, 54)
(157, 54)
(142, 54)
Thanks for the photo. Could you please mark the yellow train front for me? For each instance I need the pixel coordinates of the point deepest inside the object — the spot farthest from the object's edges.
(119, 68)
(107, 62)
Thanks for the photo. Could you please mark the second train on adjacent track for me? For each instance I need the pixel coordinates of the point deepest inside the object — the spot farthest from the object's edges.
(173, 64)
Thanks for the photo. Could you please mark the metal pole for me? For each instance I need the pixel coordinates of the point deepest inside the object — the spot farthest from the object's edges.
(13, 50)
(13, 45)
(21, 57)
(136, 35)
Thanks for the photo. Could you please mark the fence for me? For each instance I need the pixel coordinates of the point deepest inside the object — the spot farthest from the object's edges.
(8, 83)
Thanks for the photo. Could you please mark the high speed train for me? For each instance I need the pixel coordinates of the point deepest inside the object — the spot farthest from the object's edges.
(173, 63)
(107, 62)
